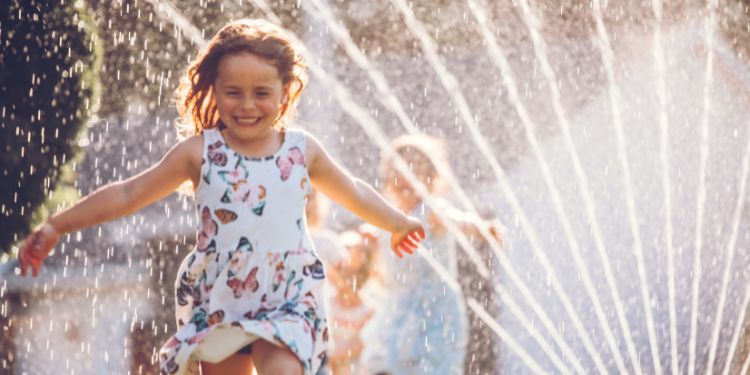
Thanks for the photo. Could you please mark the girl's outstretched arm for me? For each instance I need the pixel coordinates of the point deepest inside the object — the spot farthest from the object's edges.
(361, 199)
(115, 200)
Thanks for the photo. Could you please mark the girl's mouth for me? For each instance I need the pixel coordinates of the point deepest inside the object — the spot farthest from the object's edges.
(247, 121)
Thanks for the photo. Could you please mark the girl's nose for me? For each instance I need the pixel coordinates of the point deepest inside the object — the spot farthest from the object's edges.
(248, 103)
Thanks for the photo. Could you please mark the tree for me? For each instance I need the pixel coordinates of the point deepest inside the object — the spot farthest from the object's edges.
(47, 93)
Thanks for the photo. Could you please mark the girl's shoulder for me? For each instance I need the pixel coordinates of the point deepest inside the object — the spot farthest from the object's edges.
(192, 145)
(191, 150)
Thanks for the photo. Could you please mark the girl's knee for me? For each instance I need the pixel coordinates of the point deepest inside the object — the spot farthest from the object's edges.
(235, 364)
(271, 360)
(282, 367)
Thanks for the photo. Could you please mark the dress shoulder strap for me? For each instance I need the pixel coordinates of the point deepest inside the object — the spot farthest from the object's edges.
(295, 138)
(211, 136)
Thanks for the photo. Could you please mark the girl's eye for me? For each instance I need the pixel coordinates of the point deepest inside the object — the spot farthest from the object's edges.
(262, 94)
(232, 93)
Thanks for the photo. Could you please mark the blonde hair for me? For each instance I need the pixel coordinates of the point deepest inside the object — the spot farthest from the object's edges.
(424, 149)
(196, 102)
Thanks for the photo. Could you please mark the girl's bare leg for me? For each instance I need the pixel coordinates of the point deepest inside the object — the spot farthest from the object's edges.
(274, 360)
(240, 364)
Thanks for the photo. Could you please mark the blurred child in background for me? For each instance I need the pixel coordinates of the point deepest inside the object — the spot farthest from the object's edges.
(426, 330)
(348, 313)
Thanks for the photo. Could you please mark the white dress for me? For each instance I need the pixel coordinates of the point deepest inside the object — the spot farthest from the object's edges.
(420, 324)
(253, 273)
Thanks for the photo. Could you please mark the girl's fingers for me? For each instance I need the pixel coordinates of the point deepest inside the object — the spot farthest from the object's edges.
(28, 258)
(413, 246)
(408, 242)
(407, 249)
(415, 238)
(27, 261)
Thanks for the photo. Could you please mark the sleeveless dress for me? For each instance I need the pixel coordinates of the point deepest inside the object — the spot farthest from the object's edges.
(253, 273)
(419, 325)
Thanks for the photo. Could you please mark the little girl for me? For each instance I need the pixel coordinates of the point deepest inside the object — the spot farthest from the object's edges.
(423, 328)
(248, 294)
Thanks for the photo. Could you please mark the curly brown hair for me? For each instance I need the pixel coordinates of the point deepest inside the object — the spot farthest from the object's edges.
(196, 102)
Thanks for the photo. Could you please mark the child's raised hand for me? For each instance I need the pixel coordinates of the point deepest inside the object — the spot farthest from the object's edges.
(406, 239)
(36, 247)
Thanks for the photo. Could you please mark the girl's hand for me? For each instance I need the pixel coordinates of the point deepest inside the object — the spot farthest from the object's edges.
(36, 247)
(406, 239)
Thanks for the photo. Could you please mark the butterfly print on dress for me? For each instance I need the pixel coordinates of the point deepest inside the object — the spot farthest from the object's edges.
(216, 317)
(240, 190)
(261, 312)
(199, 319)
(293, 288)
(170, 367)
(185, 289)
(208, 230)
(287, 163)
(300, 250)
(225, 216)
(215, 157)
(244, 245)
(250, 284)
(314, 270)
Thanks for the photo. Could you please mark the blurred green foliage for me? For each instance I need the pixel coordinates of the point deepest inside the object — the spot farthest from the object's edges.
(48, 90)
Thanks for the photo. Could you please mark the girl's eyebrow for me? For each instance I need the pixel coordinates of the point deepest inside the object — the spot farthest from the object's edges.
(225, 85)
(234, 86)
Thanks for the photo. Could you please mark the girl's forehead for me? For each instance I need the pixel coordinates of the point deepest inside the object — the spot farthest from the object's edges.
(415, 162)
(246, 69)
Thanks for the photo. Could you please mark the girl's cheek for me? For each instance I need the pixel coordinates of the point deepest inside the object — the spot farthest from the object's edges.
(222, 105)
(269, 107)
(229, 103)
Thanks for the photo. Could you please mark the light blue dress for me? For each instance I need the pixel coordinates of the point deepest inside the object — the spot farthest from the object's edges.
(420, 324)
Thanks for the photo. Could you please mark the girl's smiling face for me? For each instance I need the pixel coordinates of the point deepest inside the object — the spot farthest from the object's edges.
(249, 94)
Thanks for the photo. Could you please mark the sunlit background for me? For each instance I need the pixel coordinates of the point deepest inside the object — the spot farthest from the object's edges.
(610, 138)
